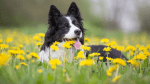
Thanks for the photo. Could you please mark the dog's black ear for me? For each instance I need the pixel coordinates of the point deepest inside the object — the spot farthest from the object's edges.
(54, 14)
(74, 10)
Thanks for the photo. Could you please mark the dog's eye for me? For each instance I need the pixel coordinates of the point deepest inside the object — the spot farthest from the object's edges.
(66, 25)
(73, 21)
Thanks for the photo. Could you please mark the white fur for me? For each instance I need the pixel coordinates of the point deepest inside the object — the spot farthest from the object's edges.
(71, 33)
(44, 55)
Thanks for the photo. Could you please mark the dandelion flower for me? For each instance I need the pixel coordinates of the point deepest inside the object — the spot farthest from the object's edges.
(39, 43)
(1, 40)
(54, 62)
(140, 57)
(21, 46)
(64, 70)
(109, 58)
(66, 45)
(134, 63)
(32, 61)
(53, 67)
(119, 61)
(101, 58)
(85, 48)
(107, 49)
(41, 34)
(86, 39)
(23, 63)
(80, 55)
(21, 57)
(39, 70)
(8, 40)
(17, 67)
(105, 40)
(86, 62)
(54, 48)
(56, 43)
(33, 54)
(116, 78)
(3, 46)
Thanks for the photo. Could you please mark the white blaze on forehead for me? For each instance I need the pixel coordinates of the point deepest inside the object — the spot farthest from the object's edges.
(71, 33)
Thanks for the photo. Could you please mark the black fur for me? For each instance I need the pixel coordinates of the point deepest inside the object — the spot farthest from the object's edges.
(57, 29)
(99, 49)
(58, 24)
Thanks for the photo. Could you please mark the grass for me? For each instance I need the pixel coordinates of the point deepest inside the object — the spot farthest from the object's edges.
(75, 74)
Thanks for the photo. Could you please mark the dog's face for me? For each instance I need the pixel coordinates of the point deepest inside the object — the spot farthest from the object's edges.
(69, 28)
(65, 27)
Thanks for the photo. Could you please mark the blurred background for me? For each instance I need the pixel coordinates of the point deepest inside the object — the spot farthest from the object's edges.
(128, 16)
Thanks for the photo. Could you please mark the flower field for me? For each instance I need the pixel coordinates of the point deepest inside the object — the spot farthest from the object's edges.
(20, 62)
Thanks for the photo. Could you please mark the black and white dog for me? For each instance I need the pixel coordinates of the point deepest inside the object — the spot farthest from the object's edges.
(62, 28)
(68, 27)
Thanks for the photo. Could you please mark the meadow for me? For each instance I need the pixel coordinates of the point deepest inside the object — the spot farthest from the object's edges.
(19, 60)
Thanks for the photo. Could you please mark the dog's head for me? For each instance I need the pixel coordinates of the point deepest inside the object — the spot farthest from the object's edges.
(65, 27)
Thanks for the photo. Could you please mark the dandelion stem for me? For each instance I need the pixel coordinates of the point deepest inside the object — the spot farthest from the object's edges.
(117, 71)
(107, 59)
(71, 54)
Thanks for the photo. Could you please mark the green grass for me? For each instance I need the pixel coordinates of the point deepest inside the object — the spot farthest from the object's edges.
(74, 74)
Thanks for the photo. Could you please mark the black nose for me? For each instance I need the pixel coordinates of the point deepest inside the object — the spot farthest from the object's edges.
(77, 32)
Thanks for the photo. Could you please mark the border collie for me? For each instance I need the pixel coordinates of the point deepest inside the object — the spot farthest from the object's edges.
(62, 28)
(65, 28)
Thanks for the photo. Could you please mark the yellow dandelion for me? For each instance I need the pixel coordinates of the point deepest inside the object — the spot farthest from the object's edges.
(17, 67)
(148, 46)
(86, 39)
(142, 48)
(109, 58)
(53, 67)
(116, 78)
(54, 62)
(32, 61)
(80, 55)
(8, 40)
(23, 63)
(56, 43)
(107, 49)
(119, 61)
(3, 46)
(33, 54)
(36, 38)
(1, 40)
(28, 57)
(105, 40)
(140, 57)
(39, 43)
(85, 48)
(41, 34)
(128, 48)
(54, 47)
(21, 46)
(21, 57)
(4, 59)
(64, 70)
(134, 63)
(86, 62)
(101, 58)
(66, 45)
(39, 70)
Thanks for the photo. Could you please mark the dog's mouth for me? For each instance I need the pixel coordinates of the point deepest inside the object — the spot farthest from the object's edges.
(72, 39)
(77, 43)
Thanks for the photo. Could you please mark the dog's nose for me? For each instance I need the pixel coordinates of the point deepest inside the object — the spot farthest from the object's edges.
(77, 32)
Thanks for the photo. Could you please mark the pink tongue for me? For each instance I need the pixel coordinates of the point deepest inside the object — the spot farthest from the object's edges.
(77, 44)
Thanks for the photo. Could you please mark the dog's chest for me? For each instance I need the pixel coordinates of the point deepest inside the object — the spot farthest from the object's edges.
(61, 54)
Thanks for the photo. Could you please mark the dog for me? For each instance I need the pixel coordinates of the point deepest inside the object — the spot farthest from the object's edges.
(62, 28)
(65, 28)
